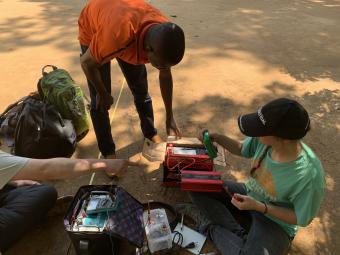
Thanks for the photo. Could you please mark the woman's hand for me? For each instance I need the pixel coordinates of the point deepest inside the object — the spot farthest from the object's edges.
(243, 202)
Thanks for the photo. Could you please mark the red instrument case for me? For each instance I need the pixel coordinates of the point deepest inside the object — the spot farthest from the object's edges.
(190, 168)
(201, 181)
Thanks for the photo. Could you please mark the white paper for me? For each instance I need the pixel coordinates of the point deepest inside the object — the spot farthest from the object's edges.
(189, 236)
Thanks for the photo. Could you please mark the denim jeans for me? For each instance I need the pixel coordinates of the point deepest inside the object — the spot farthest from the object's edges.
(136, 78)
(21, 209)
(264, 236)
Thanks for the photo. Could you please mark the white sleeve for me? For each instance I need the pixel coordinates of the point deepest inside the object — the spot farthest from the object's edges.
(9, 166)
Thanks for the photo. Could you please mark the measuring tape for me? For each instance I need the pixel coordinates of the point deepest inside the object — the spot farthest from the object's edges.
(111, 121)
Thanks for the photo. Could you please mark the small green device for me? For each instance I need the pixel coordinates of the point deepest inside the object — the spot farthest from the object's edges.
(208, 145)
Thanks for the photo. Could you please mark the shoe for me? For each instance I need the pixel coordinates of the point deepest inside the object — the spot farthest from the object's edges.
(194, 213)
(153, 151)
(61, 206)
(156, 139)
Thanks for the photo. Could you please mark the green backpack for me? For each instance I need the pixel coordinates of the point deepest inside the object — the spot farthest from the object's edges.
(59, 89)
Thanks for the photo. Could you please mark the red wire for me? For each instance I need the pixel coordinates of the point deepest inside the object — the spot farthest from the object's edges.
(190, 164)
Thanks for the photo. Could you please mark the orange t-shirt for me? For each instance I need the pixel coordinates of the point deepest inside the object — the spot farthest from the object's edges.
(116, 29)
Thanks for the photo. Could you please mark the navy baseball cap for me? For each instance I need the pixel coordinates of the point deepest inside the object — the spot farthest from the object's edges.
(281, 117)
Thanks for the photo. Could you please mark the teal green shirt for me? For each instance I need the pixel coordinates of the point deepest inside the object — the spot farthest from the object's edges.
(298, 184)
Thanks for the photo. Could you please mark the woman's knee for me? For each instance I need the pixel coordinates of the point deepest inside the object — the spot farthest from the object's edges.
(46, 195)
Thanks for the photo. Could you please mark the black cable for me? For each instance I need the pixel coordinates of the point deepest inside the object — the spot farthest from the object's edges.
(179, 241)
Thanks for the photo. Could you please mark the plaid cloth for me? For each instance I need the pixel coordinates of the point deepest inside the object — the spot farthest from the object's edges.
(126, 222)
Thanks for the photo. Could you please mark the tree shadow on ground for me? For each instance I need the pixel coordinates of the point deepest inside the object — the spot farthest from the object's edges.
(144, 182)
(299, 37)
(222, 118)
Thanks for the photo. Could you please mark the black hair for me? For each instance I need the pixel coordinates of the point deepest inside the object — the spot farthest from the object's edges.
(168, 42)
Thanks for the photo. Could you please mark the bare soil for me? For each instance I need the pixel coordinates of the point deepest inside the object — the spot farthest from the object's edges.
(239, 55)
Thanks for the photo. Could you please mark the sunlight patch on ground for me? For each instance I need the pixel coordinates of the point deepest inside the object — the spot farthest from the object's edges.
(250, 11)
(330, 183)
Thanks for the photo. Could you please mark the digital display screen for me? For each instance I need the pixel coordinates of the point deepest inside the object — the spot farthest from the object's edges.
(184, 151)
(188, 151)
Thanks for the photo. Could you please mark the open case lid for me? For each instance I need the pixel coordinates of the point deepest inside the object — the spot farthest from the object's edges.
(126, 222)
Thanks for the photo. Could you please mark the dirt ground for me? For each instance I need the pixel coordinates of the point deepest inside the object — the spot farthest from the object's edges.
(239, 54)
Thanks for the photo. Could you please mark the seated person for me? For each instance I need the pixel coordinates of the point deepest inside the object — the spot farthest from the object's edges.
(284, 189)
(24, 202)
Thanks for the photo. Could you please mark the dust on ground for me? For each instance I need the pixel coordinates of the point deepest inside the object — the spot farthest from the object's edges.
(239, 55)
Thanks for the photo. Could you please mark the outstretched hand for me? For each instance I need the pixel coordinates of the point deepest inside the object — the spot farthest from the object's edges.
(118, 167)
(243, 202)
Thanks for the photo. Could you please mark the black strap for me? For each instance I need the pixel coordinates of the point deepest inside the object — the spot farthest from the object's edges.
(11, 106)
(254, 168)
(84, 247)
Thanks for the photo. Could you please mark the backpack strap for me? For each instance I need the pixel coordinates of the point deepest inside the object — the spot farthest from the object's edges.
(43, 72)
(11, 106)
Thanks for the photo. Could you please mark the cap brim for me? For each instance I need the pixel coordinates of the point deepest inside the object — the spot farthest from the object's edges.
(251, 125)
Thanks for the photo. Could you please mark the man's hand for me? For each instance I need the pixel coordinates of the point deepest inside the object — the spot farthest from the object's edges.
(20, 183)
(166, 86)
(172, 129)
(103, 102)
(118, 167)
(243, 202)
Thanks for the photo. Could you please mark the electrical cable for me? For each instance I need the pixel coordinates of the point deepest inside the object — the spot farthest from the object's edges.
(179, 239)
(111, 121)
(110, 237)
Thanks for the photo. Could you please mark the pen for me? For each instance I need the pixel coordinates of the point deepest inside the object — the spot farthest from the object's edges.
(182, 221)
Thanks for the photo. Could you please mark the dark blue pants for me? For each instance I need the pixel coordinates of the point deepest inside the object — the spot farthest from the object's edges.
(264, 236)
(136, 78)
(21, 209)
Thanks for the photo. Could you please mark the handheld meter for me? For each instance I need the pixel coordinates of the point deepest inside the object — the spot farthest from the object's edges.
(208, 145)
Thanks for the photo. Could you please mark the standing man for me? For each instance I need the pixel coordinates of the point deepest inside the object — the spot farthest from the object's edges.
(135, 33)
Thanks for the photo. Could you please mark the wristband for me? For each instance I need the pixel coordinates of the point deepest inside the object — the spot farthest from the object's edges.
(265, 208)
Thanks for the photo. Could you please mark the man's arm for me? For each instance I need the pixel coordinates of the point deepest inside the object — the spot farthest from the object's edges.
(166, 86)
(228, 143)
(91, 69)
(64, 168)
